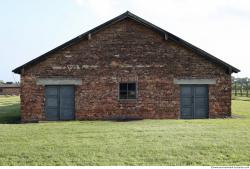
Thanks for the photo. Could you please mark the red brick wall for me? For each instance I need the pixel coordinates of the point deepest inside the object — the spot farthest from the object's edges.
(125, 51)
(10, 91)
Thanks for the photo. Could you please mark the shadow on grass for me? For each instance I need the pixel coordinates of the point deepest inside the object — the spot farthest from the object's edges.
(124, 118)
(10, 114)
(236, 116)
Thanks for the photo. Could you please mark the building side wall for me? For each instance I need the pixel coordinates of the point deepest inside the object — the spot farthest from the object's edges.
(10, 91)
(125, 52)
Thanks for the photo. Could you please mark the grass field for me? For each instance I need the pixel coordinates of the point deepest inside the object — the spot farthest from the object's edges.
(9, 109)
(145, 142)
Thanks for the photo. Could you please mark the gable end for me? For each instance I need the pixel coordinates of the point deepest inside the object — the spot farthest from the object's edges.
(149, 25)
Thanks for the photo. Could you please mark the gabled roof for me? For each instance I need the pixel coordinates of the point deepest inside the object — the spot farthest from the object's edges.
(145, 23)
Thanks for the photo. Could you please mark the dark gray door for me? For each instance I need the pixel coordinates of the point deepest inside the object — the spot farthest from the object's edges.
(194, 101)
(67, 102)
(187, 102)
(200, 102)
(59, 102)
(52, 103)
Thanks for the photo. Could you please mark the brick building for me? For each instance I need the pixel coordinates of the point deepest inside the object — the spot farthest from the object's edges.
(9, 89)
(125, 68)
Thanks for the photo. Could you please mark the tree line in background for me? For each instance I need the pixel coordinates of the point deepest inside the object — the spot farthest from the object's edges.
(241, 86)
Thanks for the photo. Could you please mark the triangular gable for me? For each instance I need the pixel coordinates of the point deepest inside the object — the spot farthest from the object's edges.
(145, 23)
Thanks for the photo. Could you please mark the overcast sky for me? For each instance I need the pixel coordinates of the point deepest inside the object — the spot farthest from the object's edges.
(30, 28)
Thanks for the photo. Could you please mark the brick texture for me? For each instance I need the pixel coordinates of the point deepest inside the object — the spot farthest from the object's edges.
(125, 52)
(9, 91)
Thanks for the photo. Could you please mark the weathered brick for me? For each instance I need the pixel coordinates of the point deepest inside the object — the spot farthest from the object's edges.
(125, 51)
(10, 91)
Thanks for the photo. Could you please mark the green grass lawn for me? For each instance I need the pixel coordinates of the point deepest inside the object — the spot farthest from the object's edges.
(9, 109)
(146, 142)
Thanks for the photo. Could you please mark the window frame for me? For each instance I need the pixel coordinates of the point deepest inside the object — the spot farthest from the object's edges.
(127, 91)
